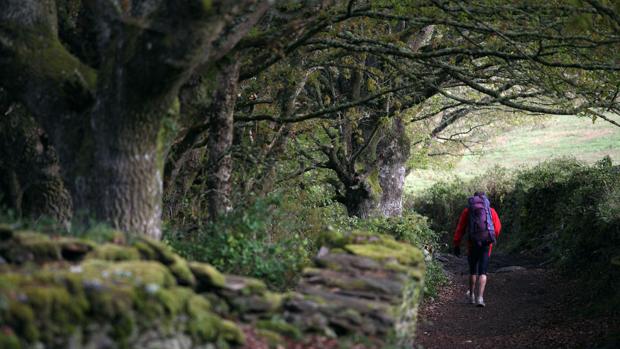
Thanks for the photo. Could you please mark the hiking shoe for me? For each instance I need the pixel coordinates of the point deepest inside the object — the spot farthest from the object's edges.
(480, 302)
(470, 297)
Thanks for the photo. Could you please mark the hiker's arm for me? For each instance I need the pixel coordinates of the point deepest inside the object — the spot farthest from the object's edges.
(496, 222)
(460, 228)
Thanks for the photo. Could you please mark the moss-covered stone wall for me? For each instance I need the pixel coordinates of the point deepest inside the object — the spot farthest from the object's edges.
(59, 292)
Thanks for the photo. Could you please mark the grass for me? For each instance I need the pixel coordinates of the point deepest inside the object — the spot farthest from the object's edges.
(560, 136)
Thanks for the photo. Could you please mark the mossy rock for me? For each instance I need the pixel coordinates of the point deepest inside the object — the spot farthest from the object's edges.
(244, 285)
(386, 249)
(182, 272)
(72, 249)
(230, 332)
(155, 250)
(280, 327)
(20, 247)
(333, 239)
(50, 306)
(134, 272)
(115, 252)
(207, 276)
(273, 339)
(25, 246)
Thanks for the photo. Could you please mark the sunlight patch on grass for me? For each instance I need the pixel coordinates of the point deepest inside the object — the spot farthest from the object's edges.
(561, 136)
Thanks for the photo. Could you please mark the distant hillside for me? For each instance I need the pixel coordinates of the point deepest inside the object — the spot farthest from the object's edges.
(527, 145)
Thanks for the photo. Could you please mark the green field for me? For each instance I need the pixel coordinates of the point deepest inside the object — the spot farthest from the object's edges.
(560, 136)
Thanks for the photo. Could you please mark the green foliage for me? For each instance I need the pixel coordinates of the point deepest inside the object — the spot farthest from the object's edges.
(434, 279)
(243, 242)
(412, 228)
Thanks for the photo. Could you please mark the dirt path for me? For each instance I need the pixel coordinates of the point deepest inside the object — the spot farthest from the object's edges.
(528, 308)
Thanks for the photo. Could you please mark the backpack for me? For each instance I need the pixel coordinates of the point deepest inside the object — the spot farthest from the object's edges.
(480, 228)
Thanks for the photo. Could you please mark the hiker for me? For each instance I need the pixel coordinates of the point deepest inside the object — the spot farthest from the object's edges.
(482, 225)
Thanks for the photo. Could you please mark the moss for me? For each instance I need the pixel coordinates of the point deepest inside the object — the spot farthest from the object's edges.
(123, 326)
(207, 276)
(41, 55)
(230, 332)
(204, 327)
(132, 296)
(114, 252)
(273, 339)
(146, 252)
(386, 249)
(196, 306)
(274, 299)
(254, 286)
(333, 239)
(40, 310)
(33, 246)
(407, 312)
(281, 327)
(393, 265)
(182, 272)
(174, 300)
(21, 318)
(218, 304)
(106, 302)
(133, 272)
(155, 250)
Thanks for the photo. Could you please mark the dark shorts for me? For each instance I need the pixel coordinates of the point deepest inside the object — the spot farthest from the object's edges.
(478, 260)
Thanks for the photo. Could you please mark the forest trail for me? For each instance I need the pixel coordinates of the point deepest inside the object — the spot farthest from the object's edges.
(526, 308)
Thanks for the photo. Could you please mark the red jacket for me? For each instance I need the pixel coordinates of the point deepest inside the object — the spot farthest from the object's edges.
(462, 227)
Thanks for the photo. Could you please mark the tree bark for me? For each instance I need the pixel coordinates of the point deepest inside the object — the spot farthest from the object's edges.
(108, 125)
(220, 140)
(359, 201)
(30, 169)
(394, 149)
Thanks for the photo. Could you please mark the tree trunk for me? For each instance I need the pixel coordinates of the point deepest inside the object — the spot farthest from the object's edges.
(394, 149)
(221, 123)
(115, 173)
(392, 181)
(127, 178)
(30, 169)
(359, 202)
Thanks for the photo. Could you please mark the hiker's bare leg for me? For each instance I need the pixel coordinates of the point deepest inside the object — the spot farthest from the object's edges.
(472, 283)
(482, 282)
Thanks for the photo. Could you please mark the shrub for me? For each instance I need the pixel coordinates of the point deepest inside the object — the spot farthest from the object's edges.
(243, 242)
(412, 228)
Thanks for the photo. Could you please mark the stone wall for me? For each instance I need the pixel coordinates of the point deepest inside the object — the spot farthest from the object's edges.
(59, 292)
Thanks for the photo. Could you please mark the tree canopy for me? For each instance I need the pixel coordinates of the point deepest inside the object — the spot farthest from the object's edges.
(127, 109)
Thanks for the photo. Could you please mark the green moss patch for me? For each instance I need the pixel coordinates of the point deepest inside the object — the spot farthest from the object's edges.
(404, 254)
(114, 252)
(134, 272)
(207, 276)
(280, 327)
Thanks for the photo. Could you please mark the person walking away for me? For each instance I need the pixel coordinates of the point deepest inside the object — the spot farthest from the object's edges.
(482, 225)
